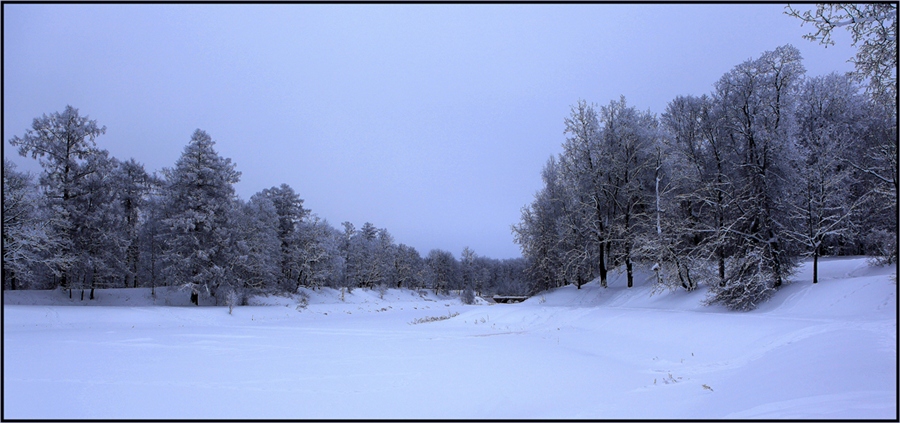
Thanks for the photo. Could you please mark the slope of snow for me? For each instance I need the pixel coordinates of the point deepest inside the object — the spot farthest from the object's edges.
(825, 351)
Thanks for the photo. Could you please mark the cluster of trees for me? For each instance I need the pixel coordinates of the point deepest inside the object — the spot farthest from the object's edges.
(728, 189)
(92, 221)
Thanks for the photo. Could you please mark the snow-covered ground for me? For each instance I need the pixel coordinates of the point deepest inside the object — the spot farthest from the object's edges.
(826, 351)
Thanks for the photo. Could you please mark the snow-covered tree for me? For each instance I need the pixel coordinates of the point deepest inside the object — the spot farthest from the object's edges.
(291, 213)
(668, 246)
(28, 245)
(254, 250)
(408, 267)
(385, 256)
(701, 191)
(62, 143)
(873, 27)
(321, 261)
(199, 197)
(441, 270)
(348, 276)
(628, 136)
(758, 99)
(132, 186)
(831, 119)
(364, 268)
(469, 272)
(99, 238)
(582, 166)
(543, 234)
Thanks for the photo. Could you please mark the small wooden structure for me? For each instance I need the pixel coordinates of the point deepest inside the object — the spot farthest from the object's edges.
(508, 299)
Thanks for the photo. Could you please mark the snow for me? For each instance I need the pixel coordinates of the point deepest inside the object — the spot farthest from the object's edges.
(825, 351)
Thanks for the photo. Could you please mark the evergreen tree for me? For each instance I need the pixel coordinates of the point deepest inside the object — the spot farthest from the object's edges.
(199, 196)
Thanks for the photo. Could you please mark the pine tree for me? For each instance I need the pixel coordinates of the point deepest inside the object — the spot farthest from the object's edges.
(199, 196)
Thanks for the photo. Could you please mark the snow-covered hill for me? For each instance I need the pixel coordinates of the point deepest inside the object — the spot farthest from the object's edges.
(825, 351)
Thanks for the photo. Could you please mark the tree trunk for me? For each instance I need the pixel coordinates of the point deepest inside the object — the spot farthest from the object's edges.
(776, 265)
(629, 269)
(816, 265)
(11, 277)
(93, 282)
(721, 269)
(602, 260)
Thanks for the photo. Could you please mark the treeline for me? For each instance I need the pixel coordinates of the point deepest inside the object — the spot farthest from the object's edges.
(728, 189)
(92, 221)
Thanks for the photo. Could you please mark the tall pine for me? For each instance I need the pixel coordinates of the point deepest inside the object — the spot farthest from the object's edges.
(198, 199)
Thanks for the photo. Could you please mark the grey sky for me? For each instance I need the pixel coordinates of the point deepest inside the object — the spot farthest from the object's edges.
(432, 121)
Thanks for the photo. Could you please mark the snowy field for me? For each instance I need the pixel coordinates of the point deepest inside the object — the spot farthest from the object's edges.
(826, 351)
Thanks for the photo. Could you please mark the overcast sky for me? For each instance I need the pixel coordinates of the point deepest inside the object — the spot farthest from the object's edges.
(432, 121)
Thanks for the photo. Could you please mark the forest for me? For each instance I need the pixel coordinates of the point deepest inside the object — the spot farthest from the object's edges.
(730, 189)
(93, 221)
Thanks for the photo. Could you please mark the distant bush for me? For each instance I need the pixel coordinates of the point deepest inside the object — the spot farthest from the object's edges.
(468, 296)
(433, 318)
(303, 300)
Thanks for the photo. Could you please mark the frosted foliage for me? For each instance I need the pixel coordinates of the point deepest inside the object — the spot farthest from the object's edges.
(199, 196)
(748, 284)
(64, 145)
(28, 244)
